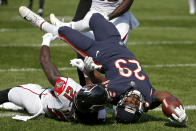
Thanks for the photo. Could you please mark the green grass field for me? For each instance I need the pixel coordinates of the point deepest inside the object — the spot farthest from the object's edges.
(165, 44)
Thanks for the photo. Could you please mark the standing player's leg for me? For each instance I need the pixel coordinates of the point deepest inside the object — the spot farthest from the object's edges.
(41, 7)
(30, 4)
(122, 24)
(82, 9)
(192, 7)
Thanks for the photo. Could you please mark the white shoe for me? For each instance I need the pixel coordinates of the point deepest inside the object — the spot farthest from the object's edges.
(31, 17)
(10, 106)
(192, 12)
(55, 21)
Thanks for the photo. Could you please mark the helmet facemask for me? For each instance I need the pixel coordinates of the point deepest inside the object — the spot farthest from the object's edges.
(130, 107)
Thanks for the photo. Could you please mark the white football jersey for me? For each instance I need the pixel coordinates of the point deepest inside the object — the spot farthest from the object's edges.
(59, 104)
(105, 6)
(55, 102)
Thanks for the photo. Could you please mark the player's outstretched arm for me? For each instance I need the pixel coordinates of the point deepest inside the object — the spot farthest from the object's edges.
(171, 107)
(48, 67)
(121, 9)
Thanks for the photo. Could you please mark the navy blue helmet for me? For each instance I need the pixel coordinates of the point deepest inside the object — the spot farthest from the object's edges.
(130, 107)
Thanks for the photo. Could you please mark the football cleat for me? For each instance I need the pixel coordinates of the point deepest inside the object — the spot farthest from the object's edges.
(31, 17)
(11, 106)
(55, 21)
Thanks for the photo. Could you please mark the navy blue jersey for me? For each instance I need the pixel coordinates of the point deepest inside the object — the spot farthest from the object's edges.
(120, 65)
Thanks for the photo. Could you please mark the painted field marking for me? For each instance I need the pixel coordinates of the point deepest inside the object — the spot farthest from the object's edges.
(189, 107)
(129, 43)
(8, 114)
(2, 30)
(72, 68)
(32, 69)
(69, 18)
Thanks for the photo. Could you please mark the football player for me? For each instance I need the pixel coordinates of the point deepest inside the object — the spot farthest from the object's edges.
(64, 102)
(126, 82)
(116, 11)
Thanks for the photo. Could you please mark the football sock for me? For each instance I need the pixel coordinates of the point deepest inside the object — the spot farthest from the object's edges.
(49, 28)
(4, 96)
(191, 6)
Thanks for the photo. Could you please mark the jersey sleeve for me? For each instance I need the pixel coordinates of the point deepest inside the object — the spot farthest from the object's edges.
(66, 88)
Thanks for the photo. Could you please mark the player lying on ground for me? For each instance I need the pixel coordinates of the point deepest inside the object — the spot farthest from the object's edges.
(127, 84)
(67, 101)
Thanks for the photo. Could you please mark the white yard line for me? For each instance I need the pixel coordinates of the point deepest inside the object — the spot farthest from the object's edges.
(2, 30)
(129, 43)
(189, 107)
(32, 45)
(72, 68)
(69, 18)
(169, 65)
(9, 114)
(32, 69)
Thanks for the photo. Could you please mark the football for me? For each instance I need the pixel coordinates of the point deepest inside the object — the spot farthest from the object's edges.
(169, 104)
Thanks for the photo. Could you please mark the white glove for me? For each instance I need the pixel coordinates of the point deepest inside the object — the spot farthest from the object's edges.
(80, 65)
(181, 117)
(48, 38)
(90, 65)
(77, 63)
(21, 118)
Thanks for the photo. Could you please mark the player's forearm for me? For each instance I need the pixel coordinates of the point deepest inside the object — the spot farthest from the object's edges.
(161, 95)
(121, 9)
(96, 77)
(48, 67)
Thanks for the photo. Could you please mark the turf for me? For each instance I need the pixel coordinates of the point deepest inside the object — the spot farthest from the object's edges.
(164, 43)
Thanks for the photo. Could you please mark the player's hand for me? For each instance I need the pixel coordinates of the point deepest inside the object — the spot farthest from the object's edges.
(77, 63)
(180, 117)
(90, 65)
(48, 38)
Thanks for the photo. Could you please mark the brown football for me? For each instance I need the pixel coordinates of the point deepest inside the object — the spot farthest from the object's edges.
(169, 104)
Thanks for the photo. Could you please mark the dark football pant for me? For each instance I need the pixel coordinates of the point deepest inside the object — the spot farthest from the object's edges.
(41, 4)
(82, 9)
(103, 32)
(4, 2)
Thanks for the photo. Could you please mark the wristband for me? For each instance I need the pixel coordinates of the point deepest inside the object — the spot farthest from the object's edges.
(46, 42)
